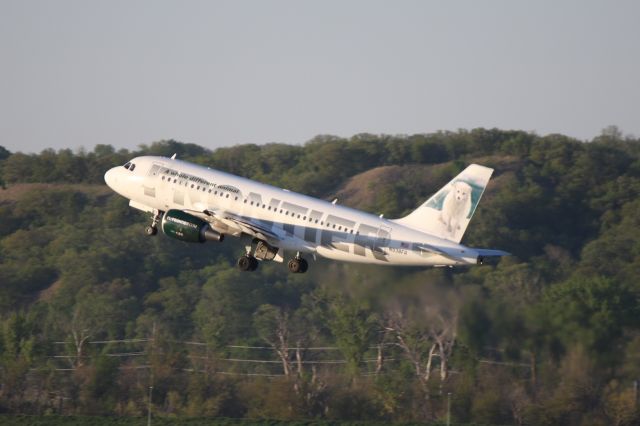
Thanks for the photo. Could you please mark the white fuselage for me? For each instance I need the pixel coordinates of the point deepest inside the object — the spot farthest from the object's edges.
(303, 224)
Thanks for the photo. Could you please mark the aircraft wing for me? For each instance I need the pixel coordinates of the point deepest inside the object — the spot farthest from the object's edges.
(259, 230)
(252, 228)
(229, 223)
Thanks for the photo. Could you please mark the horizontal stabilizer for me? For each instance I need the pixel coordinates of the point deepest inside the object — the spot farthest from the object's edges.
(491, 253)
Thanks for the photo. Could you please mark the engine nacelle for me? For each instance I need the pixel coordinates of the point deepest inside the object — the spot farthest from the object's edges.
(185, 227)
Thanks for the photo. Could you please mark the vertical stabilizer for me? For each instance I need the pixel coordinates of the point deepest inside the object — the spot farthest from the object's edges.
(447, 213)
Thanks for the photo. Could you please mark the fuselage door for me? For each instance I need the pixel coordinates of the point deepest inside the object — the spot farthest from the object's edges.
(153, 183)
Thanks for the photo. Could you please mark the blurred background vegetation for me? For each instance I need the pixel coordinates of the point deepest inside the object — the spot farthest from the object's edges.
(93, 313)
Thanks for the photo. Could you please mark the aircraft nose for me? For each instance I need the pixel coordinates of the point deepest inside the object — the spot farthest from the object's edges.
(111, 177)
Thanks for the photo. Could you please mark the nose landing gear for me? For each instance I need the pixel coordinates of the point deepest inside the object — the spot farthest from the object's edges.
(152, 229)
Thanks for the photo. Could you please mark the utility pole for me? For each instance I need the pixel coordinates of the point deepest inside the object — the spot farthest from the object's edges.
(153, 343)
(149, 406)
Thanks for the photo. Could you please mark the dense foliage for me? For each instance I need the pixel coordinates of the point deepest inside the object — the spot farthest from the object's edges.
(93, 313)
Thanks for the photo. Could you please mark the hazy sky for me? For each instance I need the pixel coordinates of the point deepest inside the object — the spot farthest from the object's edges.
(219, 73)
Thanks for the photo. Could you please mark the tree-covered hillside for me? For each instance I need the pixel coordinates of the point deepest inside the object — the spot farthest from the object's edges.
(93, 313)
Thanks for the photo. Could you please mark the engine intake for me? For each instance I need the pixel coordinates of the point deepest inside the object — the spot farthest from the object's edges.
(185, 227)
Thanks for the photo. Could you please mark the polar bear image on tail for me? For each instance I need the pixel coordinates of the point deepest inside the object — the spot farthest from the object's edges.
(447, 213)
(456, 206)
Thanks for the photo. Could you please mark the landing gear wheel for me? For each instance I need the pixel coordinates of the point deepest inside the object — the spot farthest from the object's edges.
(151, 230)
(254, 263)
(303, 266)
(298, 265)
(294, 266)
(247, 263)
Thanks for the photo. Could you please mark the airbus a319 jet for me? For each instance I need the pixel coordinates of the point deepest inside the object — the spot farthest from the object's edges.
(196, 204)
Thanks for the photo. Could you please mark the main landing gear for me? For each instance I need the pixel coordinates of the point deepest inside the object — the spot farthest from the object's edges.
(265, 252)
(298, 265)
(247, 263)
(152, 229)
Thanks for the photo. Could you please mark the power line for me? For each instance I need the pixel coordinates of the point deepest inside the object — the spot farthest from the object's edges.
(514, 364)
(229, 373)
(124, 354)
(320, 348)
(100, 342)
(264, 361)
(194, 343)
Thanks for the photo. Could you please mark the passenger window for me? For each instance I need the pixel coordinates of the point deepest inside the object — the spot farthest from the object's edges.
(227, 195)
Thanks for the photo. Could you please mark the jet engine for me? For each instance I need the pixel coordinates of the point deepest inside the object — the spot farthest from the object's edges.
(185, 227)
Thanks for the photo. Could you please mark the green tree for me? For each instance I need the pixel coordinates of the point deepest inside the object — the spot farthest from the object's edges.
(4, 153)
(353, 326)
(593, 312)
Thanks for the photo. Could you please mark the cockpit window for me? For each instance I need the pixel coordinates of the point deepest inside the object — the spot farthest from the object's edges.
(129, 166)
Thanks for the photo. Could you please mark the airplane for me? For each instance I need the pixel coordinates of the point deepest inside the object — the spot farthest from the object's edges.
(194, 203)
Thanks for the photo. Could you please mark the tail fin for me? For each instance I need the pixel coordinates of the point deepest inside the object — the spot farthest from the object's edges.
(447, 213)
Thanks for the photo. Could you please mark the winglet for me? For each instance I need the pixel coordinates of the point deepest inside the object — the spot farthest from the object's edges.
(173, 157)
